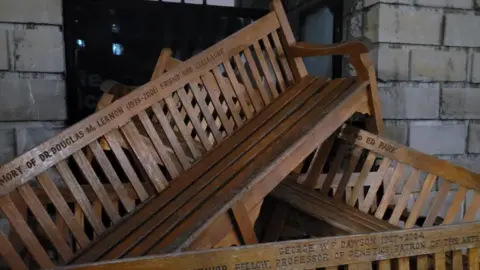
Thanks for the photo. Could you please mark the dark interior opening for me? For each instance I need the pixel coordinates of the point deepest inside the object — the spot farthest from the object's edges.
(121, 40)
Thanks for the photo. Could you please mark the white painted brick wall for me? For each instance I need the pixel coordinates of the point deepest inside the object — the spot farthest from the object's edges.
(39, 50)
(465, 4)
(476, 67)
(403, 24)
(436, 65)
(397, 131)
(392, 63)
(405, 102)
(460, 103)
(4, 57)
(7, 146)
(25, 97)
(29, 137)
(462, 30)
(438, 137)
(474, 137)
(31, 11)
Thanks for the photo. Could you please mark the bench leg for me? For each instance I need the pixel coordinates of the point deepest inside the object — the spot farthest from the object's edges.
(244, 224)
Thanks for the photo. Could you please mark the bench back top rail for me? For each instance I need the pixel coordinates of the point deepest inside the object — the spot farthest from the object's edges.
(320, 252)
(234, 79)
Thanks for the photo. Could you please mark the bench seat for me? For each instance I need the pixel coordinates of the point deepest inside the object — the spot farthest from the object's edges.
(337, 214)
(268, 145)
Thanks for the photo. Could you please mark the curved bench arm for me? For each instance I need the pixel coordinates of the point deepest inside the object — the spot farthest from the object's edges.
(357, 52)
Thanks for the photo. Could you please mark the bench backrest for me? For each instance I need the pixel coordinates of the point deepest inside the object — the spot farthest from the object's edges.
(202, 99)
(396, 183)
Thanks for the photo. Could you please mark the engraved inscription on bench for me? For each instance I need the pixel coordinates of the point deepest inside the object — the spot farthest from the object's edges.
(378, 143)
(331, 251)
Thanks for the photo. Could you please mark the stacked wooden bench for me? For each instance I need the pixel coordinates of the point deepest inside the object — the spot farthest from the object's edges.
(185, 161)
(266, 149)
(353, 216)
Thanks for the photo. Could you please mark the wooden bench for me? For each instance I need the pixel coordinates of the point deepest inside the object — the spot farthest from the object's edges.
(349, 214)
(216, 81)
(266, 149)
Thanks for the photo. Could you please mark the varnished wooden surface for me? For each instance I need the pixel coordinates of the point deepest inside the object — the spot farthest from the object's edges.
(224, 49)
(312, 253)
(142, 246)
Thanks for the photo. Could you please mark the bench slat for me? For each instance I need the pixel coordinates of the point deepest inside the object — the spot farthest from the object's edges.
(221, 83)
(413, 178)
(45, 221)
(167, 158)
(372, 192)
(267, 99)
(9, 254)
(96, 185)
(179, 123)
(238, 91)
(438, 203)
(253, 93)
(352, 163)
(318, 162)
(390, 190)
(112, 176)
(80, 196)
(273, 61)
(59, 202)
(172, 138)
(192, 115)
(334, 168)
(143, 154)
(21, 227)
(122, 159)
(266, 71)
(207, 113)
(210, 85)
(282, 57)
(357, 192)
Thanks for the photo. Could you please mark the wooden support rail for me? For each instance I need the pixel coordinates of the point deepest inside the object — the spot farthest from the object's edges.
(328, 252)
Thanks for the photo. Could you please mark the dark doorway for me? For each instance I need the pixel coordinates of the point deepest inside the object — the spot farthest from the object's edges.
(121, 40)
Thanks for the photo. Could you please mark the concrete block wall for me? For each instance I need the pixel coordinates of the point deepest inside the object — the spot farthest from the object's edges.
(32, 68)
(428, 65)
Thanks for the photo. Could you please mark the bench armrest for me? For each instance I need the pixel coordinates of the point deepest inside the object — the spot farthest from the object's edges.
(356, 50)
(352, 47)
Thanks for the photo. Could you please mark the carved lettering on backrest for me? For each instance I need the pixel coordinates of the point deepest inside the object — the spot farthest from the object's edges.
(316, 253)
